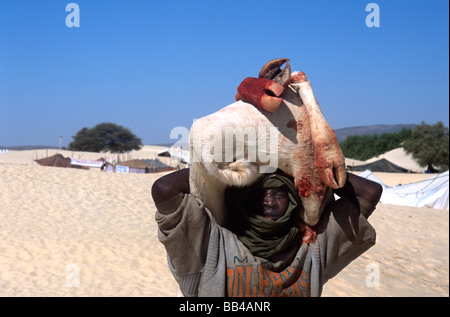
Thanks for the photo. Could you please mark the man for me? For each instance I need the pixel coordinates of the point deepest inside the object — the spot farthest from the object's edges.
(266, 250)
(258, 259)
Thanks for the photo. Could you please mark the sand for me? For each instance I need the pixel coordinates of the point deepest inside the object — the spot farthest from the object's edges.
(71, 232)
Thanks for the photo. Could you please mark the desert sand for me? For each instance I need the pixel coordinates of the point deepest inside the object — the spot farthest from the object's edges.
(72, 232)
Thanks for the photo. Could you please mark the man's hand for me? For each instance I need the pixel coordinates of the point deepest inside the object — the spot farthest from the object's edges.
(360, 187)
(261, 92)
(170, 185)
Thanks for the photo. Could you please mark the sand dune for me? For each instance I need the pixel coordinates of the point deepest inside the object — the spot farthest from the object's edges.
(70, 232)
(53, 219)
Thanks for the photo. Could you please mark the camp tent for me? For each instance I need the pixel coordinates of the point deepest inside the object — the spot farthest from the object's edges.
(381, 165)
(143, 166)
(400, 158)
(371, 176)
(178, 154)
(87, 163)
(158, 166)
(432, 192)
(132, 166)
(56, 160)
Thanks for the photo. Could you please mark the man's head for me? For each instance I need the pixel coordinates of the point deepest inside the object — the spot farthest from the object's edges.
(272, 203)
(266, 214)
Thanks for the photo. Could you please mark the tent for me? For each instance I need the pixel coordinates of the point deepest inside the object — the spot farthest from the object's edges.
(158, 166)
(399, 157)
(57, 160)
(143, 166)
(87, 163)
(369, 175)
(177, 154)
(132, 166)
(381, 165)
(432, 192)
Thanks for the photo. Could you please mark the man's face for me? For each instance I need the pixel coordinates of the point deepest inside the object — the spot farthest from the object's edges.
(272, 203)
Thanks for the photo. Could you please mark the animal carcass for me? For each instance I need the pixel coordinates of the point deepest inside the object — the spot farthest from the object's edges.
(234, 145)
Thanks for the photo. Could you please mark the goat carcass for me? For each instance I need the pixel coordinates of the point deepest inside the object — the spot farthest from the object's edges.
(232, 145)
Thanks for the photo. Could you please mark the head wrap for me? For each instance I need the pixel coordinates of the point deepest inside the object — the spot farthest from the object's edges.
(262, 236)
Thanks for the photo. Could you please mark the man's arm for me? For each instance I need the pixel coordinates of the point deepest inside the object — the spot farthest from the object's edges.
(360, 187)
(170, 185)
(348, 232)
(184, 229)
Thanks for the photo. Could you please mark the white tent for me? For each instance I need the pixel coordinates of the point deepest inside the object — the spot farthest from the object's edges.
(86, 162)
(369, 175)
(177, 154)
(432, 192)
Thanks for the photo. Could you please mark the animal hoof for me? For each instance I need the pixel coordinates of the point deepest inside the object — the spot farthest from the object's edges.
(272, 70)
(334, 177)
(340, 175)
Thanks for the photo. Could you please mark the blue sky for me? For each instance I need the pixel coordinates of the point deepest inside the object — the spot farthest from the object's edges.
(154, 65)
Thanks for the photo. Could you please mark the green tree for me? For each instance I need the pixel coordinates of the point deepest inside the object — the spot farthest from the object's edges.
(429, 146)
(105, 137)
(363, 147)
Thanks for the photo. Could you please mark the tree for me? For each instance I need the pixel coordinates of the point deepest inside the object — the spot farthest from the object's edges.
(429, 146)
(363, 147)
(105, 137)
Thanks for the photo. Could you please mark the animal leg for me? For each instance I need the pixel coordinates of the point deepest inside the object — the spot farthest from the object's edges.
(329, 160)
